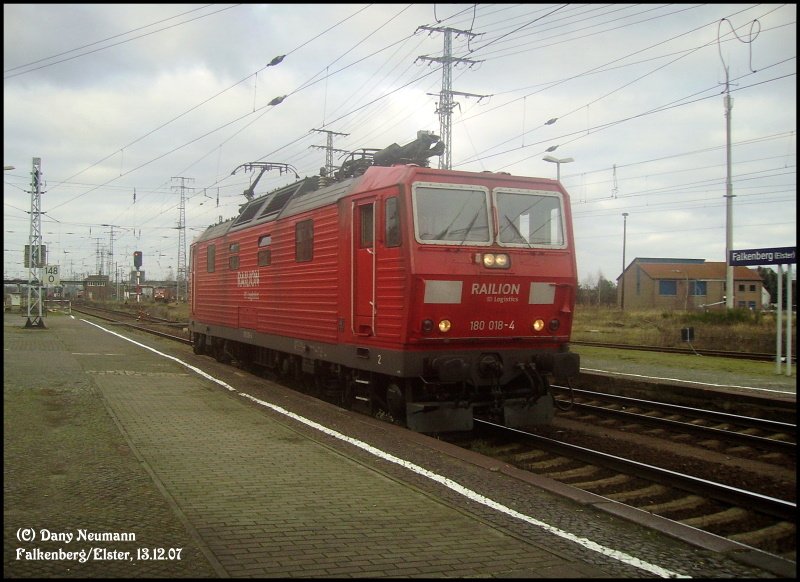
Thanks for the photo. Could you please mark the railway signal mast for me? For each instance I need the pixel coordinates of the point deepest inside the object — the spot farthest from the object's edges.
(35, 251)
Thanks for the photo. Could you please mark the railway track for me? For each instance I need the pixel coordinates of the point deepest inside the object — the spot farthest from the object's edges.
(139, 320)
(736, 500)
(769, 436)
(755, 518)
(668, 350)
(765, 504)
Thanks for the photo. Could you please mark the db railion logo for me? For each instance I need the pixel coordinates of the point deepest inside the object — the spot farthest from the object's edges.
(247, 278)
(495, 288)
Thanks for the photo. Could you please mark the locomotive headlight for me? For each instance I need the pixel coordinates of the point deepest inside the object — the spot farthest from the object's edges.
(427, 325)
(538, 325)
(496, 261)
(445, 325)
(554, 324)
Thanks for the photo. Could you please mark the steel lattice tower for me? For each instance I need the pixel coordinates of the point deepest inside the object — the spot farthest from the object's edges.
(446, 103)
(182, 271)
(110, 255)
(35, 258)
(329, 149)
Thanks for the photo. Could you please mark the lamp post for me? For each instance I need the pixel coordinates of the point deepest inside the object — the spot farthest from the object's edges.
(622, 279)
(71, 274)
(558, 162)
(729, 282)
(686, 301)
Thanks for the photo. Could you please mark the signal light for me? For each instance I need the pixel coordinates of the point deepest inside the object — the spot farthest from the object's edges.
(137, 259)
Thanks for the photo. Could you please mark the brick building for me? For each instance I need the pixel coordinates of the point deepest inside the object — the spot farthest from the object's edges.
(685, 284)
(96, 287)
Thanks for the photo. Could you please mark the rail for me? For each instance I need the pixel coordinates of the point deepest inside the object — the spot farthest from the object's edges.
(779, 508)
(58, 305)
(696, 352)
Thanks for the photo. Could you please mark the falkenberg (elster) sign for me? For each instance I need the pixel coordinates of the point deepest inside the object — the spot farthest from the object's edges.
(773, 256)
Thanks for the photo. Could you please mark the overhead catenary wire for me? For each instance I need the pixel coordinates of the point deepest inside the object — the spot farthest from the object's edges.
(275, 61)
(361, 114)
(113, 44)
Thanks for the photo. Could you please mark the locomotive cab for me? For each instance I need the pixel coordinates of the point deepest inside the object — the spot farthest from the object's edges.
(493, 289)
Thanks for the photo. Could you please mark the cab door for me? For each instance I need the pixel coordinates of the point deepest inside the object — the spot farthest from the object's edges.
(363, 280)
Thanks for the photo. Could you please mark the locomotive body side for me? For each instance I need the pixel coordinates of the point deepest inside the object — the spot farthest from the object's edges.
(267, 283)
(430, 294)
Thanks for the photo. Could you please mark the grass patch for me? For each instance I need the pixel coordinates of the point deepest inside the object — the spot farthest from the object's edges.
(684, 362)
(735, 330)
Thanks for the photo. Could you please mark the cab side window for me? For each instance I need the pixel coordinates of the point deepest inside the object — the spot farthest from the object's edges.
(392, 223)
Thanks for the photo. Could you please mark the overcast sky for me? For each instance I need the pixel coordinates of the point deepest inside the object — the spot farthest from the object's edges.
(126, 105)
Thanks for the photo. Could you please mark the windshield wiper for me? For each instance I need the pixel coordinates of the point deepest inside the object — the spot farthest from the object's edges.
(446, 230)
(469, 227)
(514, 226)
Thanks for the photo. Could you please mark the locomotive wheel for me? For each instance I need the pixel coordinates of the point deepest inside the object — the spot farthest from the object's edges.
(199, 344)
(310, 384)
(282, 368)
(396, 400)
(348, 395)
(219, 352)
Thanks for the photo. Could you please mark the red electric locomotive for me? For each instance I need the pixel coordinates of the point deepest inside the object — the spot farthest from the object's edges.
(429, 294)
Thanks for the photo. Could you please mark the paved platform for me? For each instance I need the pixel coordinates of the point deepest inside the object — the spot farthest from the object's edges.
(143, 460)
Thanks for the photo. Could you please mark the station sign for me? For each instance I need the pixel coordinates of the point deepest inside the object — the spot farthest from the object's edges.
(768, 256)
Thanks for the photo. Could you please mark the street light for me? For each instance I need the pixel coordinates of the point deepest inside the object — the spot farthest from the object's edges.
(558, 162)
(686, 301)
(622, 279)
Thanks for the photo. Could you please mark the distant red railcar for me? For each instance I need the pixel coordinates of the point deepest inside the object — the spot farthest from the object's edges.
(163, 294)
(432, 295)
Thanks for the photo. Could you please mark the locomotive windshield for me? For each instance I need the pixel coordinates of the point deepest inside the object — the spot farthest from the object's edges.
(453, 214)
(529, 218)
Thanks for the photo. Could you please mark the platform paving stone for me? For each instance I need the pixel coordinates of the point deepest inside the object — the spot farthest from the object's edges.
(99, 434)
(66, 467)
(261, 472)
